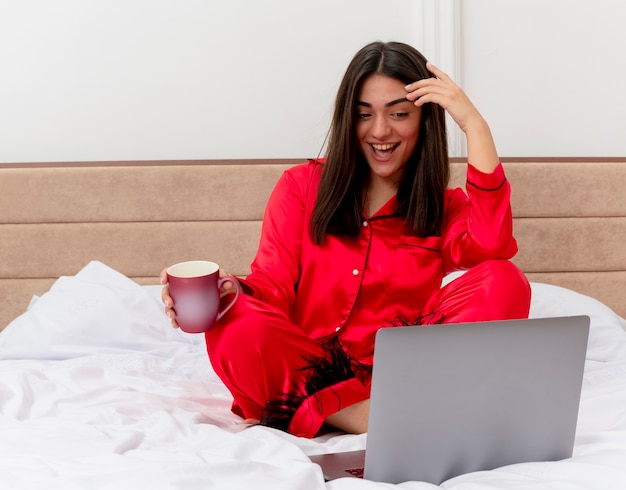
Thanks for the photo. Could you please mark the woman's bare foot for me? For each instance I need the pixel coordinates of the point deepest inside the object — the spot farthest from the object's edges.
(352, 419)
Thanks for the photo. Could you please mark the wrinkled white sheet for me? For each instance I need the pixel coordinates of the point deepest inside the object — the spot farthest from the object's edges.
(97, 391)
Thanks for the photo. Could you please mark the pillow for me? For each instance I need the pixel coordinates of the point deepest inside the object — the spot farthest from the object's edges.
(98, 310)
(607, 337)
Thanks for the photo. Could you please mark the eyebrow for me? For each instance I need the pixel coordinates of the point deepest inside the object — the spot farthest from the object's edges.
(388, 104)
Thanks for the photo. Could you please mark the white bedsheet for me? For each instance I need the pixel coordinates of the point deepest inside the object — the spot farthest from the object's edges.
(97, 391)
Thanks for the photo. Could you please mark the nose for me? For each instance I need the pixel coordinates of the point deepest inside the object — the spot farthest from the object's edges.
(380, 127)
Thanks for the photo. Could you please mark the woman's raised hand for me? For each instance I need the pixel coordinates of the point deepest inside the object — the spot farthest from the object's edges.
(441, 90)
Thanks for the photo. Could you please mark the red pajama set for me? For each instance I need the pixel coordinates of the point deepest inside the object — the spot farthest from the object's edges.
(299, 345)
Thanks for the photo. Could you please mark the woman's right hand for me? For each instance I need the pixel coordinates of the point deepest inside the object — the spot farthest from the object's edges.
(227, 288)
(167, 299)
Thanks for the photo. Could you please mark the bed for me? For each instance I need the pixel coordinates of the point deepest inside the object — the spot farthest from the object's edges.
(98, 391)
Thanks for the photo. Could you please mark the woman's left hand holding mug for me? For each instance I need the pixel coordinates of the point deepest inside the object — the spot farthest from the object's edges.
(199, 286)
(167, 299)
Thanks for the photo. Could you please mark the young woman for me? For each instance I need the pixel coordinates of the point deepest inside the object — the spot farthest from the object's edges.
(361, 240)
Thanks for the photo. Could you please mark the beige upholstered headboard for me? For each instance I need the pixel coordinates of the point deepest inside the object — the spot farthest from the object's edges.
(138, 217)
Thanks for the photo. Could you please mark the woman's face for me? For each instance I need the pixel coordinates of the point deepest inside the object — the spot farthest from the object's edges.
(387, 127)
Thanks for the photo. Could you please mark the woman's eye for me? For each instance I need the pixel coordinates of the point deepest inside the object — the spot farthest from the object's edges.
(363, 115)
(399, 115)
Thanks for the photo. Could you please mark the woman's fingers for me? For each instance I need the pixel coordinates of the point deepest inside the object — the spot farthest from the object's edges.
(227, 288)
(169, 303)
(163, 276)
(437, 72)
(441, 90)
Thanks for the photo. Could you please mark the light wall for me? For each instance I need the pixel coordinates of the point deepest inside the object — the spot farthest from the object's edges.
(201, 79)
(549, 74)
(180, 79)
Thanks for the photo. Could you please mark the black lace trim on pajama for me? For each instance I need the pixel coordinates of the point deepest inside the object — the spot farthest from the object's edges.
(432, 318)
(333, 367)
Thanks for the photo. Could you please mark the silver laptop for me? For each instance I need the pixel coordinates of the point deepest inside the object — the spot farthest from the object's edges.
(453, 399)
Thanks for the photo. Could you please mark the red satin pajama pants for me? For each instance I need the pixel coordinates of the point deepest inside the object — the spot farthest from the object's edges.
(262, 357)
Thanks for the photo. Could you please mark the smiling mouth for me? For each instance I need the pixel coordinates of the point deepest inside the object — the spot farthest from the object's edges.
(384, 150)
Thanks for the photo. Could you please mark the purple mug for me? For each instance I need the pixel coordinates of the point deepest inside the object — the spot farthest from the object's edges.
(194, 286)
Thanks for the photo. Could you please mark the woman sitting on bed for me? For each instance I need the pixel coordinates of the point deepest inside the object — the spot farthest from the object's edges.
(361, 240)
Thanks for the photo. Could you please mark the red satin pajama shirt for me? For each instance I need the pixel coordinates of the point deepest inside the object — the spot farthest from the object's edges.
(303, 295)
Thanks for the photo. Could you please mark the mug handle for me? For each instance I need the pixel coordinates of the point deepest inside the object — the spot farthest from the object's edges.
(221, 281)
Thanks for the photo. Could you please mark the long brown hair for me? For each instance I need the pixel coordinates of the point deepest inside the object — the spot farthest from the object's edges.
(339, 206)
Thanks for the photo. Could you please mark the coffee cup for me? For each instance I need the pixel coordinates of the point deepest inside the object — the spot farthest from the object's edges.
(194, 286)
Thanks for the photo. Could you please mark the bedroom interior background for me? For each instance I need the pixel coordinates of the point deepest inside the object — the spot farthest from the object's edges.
(75, 93)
